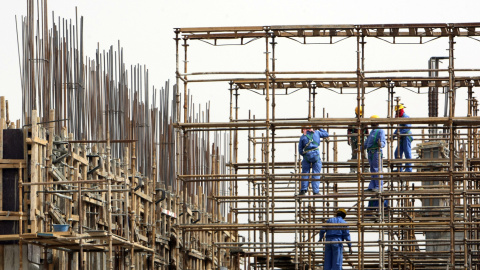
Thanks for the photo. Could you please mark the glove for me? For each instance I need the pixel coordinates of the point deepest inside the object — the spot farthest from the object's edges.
(350, 250)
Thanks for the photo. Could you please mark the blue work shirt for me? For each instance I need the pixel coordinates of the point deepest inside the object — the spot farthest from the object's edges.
(310, 151)
(336, 234)
(406, 129)
(372, 139)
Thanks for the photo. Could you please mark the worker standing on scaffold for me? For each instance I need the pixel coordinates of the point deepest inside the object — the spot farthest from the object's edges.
(374, 144)
(308, 149)
(405, 144)
(352, 138)
(333, 253)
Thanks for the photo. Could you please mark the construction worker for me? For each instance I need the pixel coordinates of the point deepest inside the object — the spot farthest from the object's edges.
(405, 144)
(374, 144)
(352, 133)
(333, 253)
(308, 149)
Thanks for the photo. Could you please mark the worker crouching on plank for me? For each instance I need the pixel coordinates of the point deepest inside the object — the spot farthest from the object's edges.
(333, 253)
(405, 143)
(308, 149)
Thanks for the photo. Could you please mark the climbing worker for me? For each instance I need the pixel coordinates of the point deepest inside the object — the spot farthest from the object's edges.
(333, 253)
(308, 148)
(352, 135)
(405, 144)
(374, 144)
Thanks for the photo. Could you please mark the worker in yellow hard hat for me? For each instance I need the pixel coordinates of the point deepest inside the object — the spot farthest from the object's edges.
(405, 140)
(333, 253)
(308, 149)
(352, 137)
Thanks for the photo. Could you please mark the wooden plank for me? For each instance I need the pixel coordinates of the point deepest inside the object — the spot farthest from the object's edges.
(57, 175)
(9, 237)
(10, 218)
(80, 158)
(11, 166)
(12, 161)
(143, 195)
(34, 173)
(11, 213)
(37, 140)
(54, 234)
(92, 201)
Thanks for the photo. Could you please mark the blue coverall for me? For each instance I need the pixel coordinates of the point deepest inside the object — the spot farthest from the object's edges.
(308, 148)
(333, 254)
(405, 144)
(373, 148)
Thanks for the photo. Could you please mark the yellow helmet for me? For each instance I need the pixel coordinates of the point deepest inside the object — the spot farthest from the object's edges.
(358, 110)
(342, 211)
(374, 116)
(399, 107)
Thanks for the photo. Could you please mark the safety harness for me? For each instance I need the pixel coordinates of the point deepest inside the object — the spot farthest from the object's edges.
(375, 146)
(410, 138)
(310, 141)
(375, 142)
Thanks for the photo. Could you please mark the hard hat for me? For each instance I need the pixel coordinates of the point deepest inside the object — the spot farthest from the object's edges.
(374, 116)
(358, 109)
(399, 107)
(342, 211)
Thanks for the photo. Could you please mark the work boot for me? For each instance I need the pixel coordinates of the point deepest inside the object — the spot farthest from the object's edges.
(353, 170)
(302, 192)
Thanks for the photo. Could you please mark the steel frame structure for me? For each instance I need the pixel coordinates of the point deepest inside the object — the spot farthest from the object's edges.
(400, 227)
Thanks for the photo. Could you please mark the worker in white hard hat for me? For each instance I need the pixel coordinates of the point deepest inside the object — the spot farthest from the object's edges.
(333, 252)
(352, 138)
(405, 142)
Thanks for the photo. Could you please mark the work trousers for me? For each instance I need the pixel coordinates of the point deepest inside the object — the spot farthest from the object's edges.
(333, 256)
(405, 149)
(316, 168)
(374, 162)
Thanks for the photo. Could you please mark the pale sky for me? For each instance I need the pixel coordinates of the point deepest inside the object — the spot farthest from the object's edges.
(145, 30)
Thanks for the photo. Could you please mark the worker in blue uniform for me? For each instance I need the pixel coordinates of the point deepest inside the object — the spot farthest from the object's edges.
(374, 144)
(308, 149)
(405, 140)
(333, 253)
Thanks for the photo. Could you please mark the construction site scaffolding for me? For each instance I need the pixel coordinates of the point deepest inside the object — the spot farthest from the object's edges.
(88, 176)
(432, 217)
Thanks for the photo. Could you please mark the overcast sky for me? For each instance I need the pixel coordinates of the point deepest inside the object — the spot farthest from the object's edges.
(145, 31)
